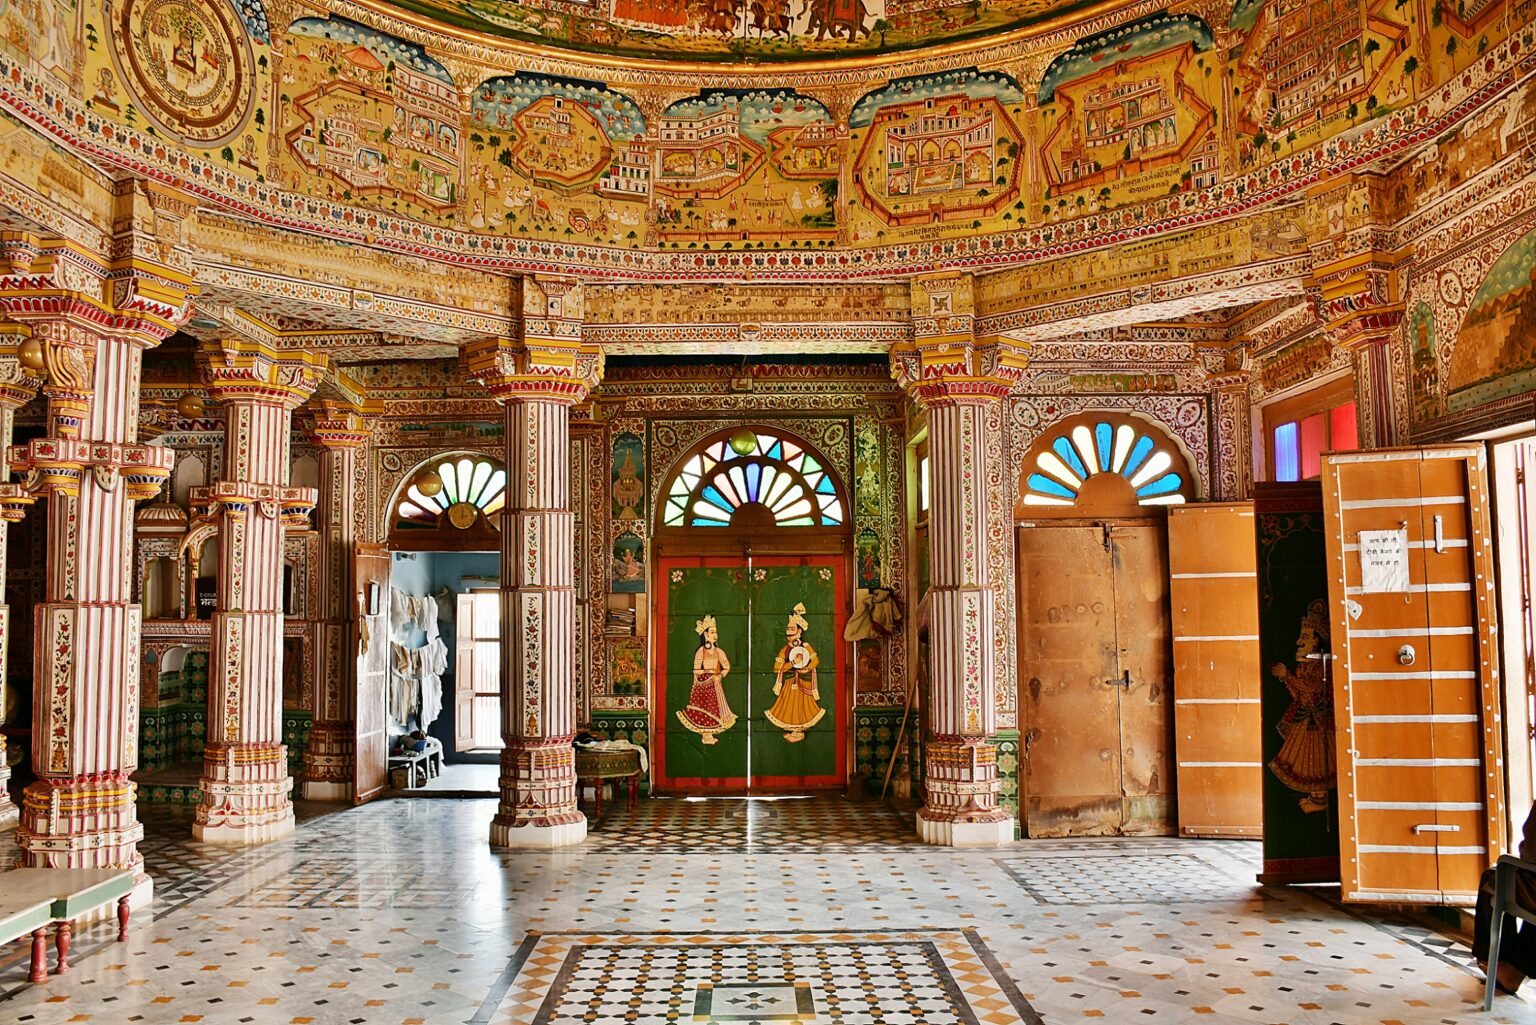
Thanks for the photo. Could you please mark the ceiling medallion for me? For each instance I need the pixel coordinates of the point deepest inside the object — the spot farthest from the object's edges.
(188, 63)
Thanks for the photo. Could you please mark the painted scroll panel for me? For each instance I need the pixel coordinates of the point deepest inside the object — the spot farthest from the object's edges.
(1301, 836)
(1214, 594)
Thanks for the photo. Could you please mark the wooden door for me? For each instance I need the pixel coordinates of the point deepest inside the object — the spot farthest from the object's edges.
(1213, 587)
(1094, 674)
(371, 571)
(1421, 809)
(1139, 560)
(477, 672)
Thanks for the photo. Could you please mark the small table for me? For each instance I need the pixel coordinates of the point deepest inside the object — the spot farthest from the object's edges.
(598, 767)
(64, 894)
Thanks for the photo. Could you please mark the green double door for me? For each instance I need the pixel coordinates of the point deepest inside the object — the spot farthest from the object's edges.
(751, 683)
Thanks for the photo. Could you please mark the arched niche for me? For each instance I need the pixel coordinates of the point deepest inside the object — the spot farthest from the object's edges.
(1102, 463)
(757, 480)
(464, 515)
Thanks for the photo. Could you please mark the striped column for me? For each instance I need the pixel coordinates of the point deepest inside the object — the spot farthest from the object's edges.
(17, 386)
(331, 752)
(960, 772)
(538, 630)
(80, 812)
(1375, 410)
(245, 782)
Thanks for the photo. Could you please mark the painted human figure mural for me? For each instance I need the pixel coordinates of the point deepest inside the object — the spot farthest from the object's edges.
(1305, 761)
(707, 712)
(798, 704)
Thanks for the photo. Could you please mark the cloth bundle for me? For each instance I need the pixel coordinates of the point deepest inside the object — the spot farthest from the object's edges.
(878, 615)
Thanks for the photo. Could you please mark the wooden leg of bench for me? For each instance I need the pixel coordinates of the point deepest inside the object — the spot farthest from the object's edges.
(122, 920)
(39, 956)
(597, 798)
(61, 937)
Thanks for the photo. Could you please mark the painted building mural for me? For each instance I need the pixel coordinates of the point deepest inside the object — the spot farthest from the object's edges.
(1142, 120)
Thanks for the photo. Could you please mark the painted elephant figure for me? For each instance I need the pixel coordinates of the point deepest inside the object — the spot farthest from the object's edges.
(835, 18)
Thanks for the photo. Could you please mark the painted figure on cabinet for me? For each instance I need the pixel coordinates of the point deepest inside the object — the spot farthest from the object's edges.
(707, 712)
(1305, 761)
(798, 707)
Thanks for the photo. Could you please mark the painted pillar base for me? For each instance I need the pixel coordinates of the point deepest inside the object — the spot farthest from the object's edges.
(949, 832)
(311, 790)
(561, 834)
(329, 760)
(247, 832)
(81, 822)
(246, 791)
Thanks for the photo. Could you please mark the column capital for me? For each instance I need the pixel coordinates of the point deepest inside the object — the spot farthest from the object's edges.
(954, 374)
(338, 425)
(533, 369)
(18, 382)
(65, 292)
(239, 370)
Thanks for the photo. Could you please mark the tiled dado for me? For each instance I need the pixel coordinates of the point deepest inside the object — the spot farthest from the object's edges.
(171, 752)
(732, 912)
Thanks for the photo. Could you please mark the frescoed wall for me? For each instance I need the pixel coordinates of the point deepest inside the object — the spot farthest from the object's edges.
(1495, 352)
(1115, 120)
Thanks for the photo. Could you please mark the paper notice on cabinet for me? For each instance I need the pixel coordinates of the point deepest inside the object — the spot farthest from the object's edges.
(1383, 561)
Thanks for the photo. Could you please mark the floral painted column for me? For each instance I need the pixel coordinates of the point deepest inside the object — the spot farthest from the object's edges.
(94, 318)
(342, 435)
(17, 386)
(955, 381)
(245, 782)
(537, 380)
(1360, 300)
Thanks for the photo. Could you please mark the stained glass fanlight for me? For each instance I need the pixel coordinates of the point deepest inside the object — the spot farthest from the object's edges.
(1077, 453)
(772, 471)
(469, 483)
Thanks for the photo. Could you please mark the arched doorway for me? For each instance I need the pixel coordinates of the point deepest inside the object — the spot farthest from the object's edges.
(1095, 660)
(750, 685)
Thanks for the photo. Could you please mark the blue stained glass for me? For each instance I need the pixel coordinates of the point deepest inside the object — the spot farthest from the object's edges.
(1105, 436)
(1139, 455)
(700, 521)
(715, 498)
(1043, 484)
(754, 474)
(777, 451)
(1162, 486)
(825, 486)
(1068, 454)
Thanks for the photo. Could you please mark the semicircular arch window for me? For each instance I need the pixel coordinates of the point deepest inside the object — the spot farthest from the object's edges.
(470, 484)
(1148, 464)
(771, 470)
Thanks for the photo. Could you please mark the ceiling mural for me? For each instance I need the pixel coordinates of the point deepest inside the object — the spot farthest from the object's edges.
(482, 156)
(724, 30)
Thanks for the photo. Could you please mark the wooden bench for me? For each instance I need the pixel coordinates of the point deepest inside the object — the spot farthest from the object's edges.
(32, 898)
(429, 762)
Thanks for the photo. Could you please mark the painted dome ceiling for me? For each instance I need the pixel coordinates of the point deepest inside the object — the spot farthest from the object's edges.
(726, 30)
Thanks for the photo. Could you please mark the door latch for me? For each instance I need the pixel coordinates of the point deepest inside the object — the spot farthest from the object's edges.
(1123, 681)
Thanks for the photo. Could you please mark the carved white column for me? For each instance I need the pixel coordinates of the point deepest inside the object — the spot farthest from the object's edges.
(245, 782)
(94, 320)
(537, 380)
(330, 754)
(17, 386)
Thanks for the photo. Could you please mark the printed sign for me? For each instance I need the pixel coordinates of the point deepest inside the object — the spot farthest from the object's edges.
(1383, 560)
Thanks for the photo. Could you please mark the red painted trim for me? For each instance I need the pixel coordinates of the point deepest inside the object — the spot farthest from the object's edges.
(843, 684)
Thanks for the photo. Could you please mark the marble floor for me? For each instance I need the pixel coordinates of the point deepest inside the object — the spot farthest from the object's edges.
(811, 911)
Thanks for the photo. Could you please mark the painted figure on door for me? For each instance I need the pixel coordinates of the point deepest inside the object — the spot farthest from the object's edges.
(1305, 761)
(798, 706)
(707, 712)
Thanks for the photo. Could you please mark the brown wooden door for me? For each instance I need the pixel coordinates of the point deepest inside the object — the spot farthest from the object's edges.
(1094, 680)
(1213, 589)
(372, 767)
(1421, 809)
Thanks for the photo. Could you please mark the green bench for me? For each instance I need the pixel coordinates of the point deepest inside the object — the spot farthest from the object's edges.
(33, 898)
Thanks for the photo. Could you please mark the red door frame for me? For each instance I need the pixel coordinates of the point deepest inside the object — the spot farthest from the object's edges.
(842, 687)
